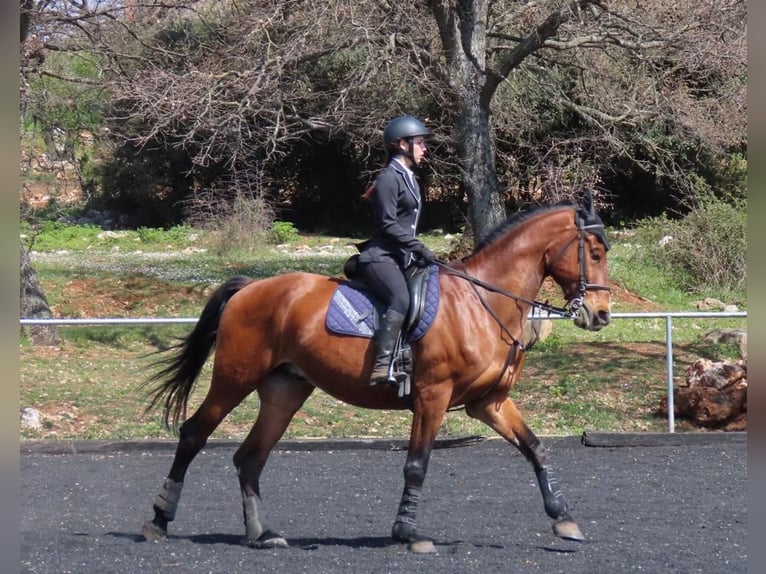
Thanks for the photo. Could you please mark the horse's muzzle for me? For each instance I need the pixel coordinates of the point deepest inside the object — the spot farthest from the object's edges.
(591, 321)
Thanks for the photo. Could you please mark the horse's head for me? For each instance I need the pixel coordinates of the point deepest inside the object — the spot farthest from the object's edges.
(578, 264)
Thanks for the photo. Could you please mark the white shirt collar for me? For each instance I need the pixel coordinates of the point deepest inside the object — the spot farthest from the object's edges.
(406, 169)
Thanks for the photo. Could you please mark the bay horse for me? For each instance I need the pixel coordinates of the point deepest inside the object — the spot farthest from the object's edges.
(270, 337)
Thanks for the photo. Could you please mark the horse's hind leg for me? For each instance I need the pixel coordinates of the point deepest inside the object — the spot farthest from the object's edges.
(193, 436)
(502, 416)
(281, 395)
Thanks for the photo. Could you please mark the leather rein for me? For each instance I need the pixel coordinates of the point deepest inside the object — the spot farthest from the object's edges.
(572, 306)
(570, 310)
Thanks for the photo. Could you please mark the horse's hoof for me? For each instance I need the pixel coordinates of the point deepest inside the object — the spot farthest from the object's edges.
(422, 545)
(153, 533)
(269, 539)
(568, 530)
(402, 532)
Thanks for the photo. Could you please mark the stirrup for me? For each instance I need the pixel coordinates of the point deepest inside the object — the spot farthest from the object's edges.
(397, 379)
(381, 378)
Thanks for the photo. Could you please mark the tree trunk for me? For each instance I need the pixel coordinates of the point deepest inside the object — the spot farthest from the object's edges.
(485, 200)
(34, 304)
(462, 28)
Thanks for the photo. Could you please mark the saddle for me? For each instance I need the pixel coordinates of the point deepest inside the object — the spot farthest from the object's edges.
(355, 311)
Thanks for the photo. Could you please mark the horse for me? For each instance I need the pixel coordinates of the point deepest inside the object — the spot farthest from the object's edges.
(270, 337)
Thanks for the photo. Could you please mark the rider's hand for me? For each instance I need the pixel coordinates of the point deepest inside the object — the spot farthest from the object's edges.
(426, 255)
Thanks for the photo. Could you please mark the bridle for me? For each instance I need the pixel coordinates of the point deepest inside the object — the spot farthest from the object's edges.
(583, 286)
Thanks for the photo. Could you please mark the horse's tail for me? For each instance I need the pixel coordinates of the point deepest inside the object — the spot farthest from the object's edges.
(182, 368)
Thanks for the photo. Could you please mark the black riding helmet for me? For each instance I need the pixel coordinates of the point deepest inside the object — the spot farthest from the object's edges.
(403, 127)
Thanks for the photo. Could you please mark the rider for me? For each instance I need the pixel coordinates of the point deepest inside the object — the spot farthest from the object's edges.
(396, 203)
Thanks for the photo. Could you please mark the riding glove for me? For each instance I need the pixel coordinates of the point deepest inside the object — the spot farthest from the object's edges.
(425, 254)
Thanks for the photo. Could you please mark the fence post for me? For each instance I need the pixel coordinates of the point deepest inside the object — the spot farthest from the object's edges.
(669, 364)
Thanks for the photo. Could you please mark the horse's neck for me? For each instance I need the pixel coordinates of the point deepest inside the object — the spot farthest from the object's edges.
(519, 272)
(515, 262)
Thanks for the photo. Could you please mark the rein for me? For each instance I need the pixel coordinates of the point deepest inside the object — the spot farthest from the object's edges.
(516, 345)
(569, 311)
(564, 312)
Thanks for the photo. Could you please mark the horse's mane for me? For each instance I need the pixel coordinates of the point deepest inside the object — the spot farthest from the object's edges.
(517, 219)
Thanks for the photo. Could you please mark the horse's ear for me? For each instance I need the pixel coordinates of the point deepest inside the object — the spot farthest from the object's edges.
(587, 204)
(590, 218)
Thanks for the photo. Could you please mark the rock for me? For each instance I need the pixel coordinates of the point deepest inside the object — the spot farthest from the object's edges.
(718, 375)
(709, 407)
(709, 304)
(737, 424)
(736, 337)
(715, 395)
(30, 418)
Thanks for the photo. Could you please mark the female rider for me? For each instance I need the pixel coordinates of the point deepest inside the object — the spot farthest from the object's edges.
(396, 204)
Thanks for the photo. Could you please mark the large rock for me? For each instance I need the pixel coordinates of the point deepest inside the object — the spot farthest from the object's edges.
(715, 395)
(735, 337)
(30, 418)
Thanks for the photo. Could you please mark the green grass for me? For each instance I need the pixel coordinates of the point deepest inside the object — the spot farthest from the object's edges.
(88, 388)
(626, 268)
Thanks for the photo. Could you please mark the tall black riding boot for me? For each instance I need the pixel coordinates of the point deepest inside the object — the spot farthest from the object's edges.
(385, 339)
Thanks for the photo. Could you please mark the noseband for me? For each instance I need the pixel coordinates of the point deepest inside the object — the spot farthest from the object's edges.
(583, 286)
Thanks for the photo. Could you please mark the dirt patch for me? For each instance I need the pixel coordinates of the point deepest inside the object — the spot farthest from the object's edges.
(64, 420)
(46, 180)
(131, 296)
(622, 298)
(63, 191)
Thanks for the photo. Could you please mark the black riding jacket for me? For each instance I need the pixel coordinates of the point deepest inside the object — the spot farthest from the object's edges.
(396, 206)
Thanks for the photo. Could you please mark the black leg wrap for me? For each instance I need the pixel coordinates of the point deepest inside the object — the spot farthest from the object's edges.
(404, 525)
(166, 502)
(553, 499)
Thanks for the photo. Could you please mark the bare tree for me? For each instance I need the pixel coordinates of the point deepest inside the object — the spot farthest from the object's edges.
(531, 101)
(474, 74)
(627, 64)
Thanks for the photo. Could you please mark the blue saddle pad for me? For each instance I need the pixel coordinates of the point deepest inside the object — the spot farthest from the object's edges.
(355, 311)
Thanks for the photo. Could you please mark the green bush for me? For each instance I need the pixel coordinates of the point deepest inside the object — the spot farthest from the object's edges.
(704, 250)
(56, 235)
(284, 231)
(178, 235)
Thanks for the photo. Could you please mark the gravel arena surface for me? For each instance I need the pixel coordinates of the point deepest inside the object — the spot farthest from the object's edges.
(670, 505)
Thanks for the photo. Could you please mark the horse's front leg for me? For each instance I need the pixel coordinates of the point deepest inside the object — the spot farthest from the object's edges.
(426, 419)
(503, 417)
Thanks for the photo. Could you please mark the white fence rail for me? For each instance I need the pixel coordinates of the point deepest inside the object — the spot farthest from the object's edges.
(667, 316)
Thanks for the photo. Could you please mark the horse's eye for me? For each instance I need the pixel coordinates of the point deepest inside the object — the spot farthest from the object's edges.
(595, 255)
